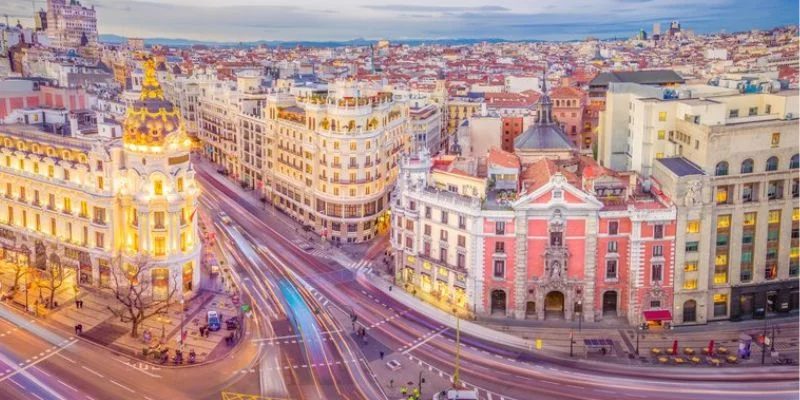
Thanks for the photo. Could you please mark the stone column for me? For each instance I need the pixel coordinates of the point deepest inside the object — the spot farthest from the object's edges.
(521, 265)
(590, 269)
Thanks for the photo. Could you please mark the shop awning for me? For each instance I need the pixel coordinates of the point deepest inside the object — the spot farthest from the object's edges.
(657, 315)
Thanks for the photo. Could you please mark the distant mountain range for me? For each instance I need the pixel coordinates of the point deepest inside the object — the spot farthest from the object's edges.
(170, 42)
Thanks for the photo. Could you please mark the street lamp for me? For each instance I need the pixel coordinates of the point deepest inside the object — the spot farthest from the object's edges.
(638, 332)
(580, 314)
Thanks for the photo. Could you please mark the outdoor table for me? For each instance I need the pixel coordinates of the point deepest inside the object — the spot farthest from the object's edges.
(679, 360)
(715, 362)
(655, 351)
(663, 360)
(670, 352)
(722, 350)
(732, 359)
(688, 351)
(695, 360)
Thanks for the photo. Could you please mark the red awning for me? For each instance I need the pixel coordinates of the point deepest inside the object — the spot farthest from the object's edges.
(657, 315)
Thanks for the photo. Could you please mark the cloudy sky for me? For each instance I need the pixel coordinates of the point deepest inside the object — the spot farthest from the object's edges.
(244, 20)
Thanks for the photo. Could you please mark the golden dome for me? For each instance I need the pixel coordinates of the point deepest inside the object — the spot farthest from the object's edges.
(152, 122)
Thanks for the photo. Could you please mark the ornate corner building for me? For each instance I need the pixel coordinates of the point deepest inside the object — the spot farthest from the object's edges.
(90, 201)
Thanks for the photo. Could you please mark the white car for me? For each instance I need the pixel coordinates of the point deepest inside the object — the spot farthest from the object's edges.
(224, 218)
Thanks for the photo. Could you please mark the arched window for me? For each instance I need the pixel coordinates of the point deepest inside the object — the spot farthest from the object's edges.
(795, 162)
(690, 311)
(722, 168)
(772, 164)
(747, 166)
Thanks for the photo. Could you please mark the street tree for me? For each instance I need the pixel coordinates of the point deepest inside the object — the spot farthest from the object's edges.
(52, 277)
(132, 288)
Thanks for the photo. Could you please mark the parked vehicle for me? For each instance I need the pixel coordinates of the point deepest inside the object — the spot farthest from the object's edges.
(224, 218)
(212, 319)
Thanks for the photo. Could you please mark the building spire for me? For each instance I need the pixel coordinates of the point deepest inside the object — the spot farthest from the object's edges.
(544, 114)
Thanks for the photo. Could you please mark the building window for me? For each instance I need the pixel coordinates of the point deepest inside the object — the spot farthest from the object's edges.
(462, 222)
(462, 241)
(662, 134)
(721, 169)
(611, 269)
(426, 249)
(67, 205)
(662, 116)
(500, 227)
(100, 185)
(443, 235)
(158, 220)
(98, 240)
(747, 166)
(795, 162)
(693, 226)
(461, 260)
(691, 247)
(410, 225)
(747, 237)
(443, 254)
(658, 251)
(499, 269)
(160, 246)
(445, 217)
(690, 284)
(613, 227)
(427, 212)
(409, 243)
(612, 246)
(499, 247)
(722, 195)
(427, 230)
(658, 231)
(656, 273)
(749, 219)
(733, 113)
(723, 222)
(774, 217)
(752, 111)
(179, 185)
(690, 266)
(772, 164)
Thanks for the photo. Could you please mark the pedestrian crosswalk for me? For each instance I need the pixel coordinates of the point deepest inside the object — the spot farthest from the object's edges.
(363, 266)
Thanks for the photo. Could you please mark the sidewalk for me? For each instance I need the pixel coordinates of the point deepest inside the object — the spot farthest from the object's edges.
(102, 327)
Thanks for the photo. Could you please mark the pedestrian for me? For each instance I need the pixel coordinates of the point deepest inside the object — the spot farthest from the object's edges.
(391, 382)
(403, 390)
(76, 329)
(381, 355)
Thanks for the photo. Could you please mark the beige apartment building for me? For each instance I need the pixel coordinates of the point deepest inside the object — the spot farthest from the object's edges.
(333, 157)
(729, 164)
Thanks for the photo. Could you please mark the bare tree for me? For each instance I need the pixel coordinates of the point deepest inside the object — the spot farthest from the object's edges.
(132, 288)
(52, 278)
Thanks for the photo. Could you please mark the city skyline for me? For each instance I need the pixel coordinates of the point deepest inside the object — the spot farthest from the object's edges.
(313, 20)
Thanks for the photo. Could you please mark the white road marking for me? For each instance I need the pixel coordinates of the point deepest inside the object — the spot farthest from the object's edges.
(99, 375)
(122, 386)
(425, 341)
(66, 358)
(21, 369)
(65, 384)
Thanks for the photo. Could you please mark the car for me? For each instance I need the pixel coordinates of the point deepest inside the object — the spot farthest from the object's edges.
(212, 319)
(224, 218)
